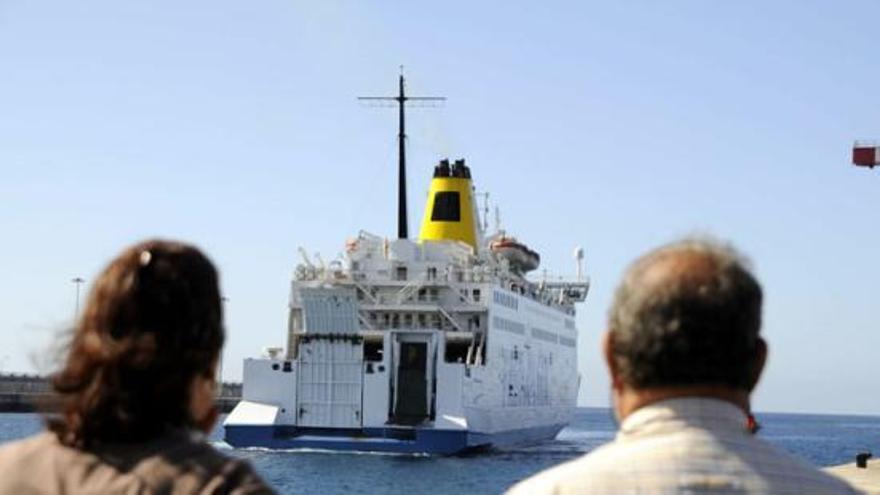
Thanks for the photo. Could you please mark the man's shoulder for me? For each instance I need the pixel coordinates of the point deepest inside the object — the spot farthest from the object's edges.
(783, 468)
(594, 468)
(683, 461)
(610, 468)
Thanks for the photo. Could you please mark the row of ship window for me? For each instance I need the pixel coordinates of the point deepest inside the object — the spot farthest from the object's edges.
(401, 272)
(418, 320)
(506, 300)
(430, 295)
(540, 334)
(406, 320)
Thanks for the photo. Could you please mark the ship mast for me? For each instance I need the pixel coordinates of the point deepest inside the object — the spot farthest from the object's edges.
(401, 99)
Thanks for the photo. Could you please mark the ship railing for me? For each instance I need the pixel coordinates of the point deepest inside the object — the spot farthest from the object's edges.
(449, 318)
(365, 322)
(465, 297)
(476, 358)
(555, 280)
(409, 289)
(561, 284)
(364, 291)
(562, 290)
(571, 290)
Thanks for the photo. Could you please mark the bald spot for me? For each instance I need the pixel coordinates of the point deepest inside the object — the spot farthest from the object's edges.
(683, 268)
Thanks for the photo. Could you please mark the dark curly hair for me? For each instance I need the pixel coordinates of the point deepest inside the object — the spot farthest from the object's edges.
(152, 323)
(699, 326)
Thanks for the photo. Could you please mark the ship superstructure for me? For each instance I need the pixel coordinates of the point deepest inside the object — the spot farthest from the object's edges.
(435, 345)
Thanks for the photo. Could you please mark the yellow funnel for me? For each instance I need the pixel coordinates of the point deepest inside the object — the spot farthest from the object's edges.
(449, 212)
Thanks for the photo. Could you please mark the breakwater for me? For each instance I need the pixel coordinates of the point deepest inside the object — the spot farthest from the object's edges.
(33, 393)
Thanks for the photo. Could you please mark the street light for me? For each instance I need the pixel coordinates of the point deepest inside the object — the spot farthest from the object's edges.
(223, 300)
(78, 281)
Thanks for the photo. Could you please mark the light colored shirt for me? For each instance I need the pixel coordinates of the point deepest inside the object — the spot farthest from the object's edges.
(179, 462)
(689, 445)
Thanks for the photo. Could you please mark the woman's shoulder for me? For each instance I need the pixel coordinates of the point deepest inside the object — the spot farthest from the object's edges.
(178, 463)
(21, 451)
(40, 462)
(186, 463)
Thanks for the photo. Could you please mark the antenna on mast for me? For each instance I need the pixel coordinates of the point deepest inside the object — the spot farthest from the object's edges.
(485, 223)
(579, 260)
(401, 99)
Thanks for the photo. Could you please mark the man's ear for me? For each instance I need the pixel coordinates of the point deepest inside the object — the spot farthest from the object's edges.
(760, 361)
(608, 353)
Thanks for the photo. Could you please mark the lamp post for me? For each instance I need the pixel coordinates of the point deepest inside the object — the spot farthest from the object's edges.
(78, 281)
(223, 300)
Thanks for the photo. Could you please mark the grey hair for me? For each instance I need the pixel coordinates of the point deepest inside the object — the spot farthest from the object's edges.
(690, 327)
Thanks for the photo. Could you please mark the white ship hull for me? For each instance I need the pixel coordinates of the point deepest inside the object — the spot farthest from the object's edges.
(334, 397)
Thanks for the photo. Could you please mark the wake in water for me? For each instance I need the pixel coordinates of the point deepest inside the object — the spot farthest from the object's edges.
(221, 445)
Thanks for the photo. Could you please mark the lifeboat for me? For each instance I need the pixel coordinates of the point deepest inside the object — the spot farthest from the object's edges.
(520, 257)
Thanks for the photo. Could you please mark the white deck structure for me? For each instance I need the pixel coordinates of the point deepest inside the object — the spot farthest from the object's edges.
(417, 348)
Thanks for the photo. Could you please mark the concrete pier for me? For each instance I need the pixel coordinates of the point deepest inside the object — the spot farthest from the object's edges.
(32, 393)
(866, 479)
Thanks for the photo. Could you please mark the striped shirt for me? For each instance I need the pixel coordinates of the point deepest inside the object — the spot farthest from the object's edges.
(689, 445)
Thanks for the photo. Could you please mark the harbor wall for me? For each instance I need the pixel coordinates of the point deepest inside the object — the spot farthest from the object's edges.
(33, 393)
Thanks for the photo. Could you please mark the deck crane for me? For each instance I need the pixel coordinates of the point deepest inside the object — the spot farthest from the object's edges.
(866, 154)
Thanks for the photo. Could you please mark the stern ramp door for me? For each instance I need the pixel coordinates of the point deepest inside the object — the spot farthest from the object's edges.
(330, 376)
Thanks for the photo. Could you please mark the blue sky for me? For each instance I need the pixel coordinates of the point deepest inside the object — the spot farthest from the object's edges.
(616, 126)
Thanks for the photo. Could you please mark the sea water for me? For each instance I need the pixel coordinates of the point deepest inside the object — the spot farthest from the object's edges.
(821, 440)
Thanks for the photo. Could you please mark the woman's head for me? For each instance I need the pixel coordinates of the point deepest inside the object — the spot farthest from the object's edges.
(152, 326)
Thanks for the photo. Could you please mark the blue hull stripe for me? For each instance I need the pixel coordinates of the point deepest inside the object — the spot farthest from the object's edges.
(407, 441)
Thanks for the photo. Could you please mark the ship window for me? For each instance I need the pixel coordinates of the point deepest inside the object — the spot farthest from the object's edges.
(476, 295)
(446, 207)
(456, 352)
(373, 351)
(401, 273)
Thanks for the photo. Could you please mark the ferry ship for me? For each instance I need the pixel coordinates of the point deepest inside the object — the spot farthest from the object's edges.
(437, 345)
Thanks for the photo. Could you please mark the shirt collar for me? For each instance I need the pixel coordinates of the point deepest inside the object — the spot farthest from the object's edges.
(125, 455)
(677, 414)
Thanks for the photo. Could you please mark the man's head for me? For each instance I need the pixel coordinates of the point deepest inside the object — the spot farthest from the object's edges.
(685, 321)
